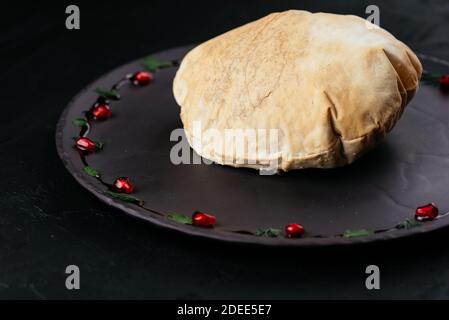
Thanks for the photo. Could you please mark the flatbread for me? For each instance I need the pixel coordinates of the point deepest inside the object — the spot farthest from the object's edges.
(331, 87)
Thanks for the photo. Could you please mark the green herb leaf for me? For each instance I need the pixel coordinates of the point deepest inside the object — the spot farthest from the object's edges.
(180, 218)
(431, 78)
(108, 94)
(152, 64)
(356, 233)
(91, 171)
(125, 197)
(80, 122)
(99, 145)
(270, 232)
(408, 224)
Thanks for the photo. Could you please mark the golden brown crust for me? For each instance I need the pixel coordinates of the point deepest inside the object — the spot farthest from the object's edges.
(332, 87)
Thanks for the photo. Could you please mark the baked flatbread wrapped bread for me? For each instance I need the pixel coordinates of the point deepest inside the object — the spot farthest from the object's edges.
(331, 86)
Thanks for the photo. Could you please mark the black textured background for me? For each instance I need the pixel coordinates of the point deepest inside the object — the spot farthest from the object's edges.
(47, 221)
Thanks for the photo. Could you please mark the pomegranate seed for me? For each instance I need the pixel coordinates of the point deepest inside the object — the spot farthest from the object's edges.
(426, 213)
(294, 230)
(142, 78)
(101, 111)
(123, 185)
(203, 219)
(85, 144)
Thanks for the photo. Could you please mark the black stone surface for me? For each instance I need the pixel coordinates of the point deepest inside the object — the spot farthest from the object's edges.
(47, 221)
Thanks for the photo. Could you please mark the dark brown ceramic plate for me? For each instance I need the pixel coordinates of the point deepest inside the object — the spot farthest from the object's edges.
(370, 198)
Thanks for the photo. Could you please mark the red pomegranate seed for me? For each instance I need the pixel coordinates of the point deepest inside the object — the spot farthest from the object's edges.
(101, 111)
(426, 213)
(444, 82)
(294, 230)
(85, 144)
(123, 185)
(203, 219)
(142, 78)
